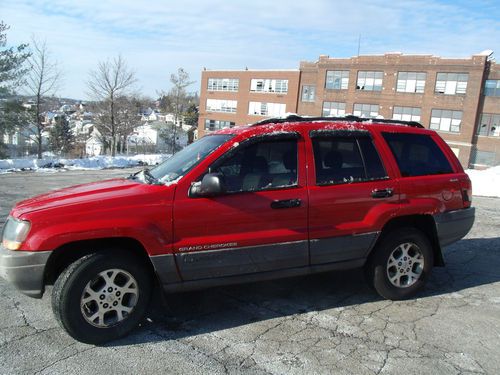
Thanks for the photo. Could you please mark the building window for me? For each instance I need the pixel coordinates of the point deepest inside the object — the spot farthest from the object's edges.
(446, 120)
(217, 105)
(411, 82)
(484, 158)
(266, 109)
(269, 85)
(337, 79)
(365, 110)
(308, 93)
(451, 83)
(216, 124)
(406, 114)
(369, 81)
(489, 124)
(333, 109)
(223, 84)
(492, 87)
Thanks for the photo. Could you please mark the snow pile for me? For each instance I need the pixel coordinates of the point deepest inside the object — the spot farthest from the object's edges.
(96, 162)
(485, 182)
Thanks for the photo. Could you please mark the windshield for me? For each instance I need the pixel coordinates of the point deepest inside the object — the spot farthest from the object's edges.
(186, 159)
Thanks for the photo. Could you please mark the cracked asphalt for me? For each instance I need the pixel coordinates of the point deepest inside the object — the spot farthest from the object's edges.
(321, 324)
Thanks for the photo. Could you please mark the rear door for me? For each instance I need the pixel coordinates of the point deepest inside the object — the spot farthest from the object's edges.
(258, 225)
(352, 194)
(427, 177)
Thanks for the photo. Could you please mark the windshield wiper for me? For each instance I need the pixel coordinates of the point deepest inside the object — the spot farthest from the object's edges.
(133, 176)
(150, 179)
(145, 176)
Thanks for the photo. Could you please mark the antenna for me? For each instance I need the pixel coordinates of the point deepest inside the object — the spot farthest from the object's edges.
(359, 43)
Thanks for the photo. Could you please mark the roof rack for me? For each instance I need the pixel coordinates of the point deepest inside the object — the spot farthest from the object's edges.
(297, 118)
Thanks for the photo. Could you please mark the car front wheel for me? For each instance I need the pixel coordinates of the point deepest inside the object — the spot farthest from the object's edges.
(401, 264)
(102, 296)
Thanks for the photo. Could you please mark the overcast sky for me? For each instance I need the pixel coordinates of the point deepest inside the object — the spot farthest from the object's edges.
(157, 37)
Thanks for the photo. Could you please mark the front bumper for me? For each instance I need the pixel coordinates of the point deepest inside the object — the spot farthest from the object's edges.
(451, 226)
(24, 270)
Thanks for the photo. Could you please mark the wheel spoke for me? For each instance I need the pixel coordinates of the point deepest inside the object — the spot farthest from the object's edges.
(396, 279)
(109, 279)
(392, 261)
(90, 294)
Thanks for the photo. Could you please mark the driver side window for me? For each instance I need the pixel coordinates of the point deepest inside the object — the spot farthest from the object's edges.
(261, 165)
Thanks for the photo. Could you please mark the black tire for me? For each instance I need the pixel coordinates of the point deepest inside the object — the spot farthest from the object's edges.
(378, 268)
(68, 296)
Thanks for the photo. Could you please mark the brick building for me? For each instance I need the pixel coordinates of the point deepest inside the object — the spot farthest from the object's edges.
(230, 98)
(460, 98)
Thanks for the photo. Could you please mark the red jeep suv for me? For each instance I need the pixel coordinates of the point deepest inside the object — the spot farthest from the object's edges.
(279, 198)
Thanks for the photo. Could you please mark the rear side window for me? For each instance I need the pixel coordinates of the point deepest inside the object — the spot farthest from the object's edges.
(340, 159)
(417, 154)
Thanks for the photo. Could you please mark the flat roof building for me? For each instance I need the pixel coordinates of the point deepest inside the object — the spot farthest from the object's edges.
(459, 98)
(232, 98)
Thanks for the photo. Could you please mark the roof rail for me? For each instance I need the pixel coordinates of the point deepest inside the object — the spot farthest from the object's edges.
(351, 118)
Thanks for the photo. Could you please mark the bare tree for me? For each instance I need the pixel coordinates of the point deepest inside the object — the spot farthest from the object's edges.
(177, 99)
(42, 80)
(109, 82)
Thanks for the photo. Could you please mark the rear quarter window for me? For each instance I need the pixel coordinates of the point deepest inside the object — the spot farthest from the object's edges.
(417, 154)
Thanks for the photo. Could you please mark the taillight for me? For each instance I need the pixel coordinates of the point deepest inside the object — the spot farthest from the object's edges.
(466, 188)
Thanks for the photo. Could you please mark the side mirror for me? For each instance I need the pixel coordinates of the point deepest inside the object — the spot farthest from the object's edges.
(211, 185)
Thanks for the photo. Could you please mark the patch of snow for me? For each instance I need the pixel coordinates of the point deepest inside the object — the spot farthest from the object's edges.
(51, 164)
(485, 182)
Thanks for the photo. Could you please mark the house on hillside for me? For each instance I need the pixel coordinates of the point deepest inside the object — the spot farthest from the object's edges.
(94, 145)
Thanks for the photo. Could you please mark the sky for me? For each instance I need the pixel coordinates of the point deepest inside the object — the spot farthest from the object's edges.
(158, 37)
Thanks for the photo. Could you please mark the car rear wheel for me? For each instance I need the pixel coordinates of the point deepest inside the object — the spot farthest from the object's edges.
(102, 296)
(401, 264)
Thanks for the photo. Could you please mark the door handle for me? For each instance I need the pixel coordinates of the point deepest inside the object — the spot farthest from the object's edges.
(287, 203)
(382, 193)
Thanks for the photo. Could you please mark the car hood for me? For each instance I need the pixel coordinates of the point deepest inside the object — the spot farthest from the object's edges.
(80, 194)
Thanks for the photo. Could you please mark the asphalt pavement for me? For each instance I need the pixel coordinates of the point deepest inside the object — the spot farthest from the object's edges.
(321, 324)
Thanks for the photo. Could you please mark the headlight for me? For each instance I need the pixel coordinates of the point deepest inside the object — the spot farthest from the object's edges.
(14, 233)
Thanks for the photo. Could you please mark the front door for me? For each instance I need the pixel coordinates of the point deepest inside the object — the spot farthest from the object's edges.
(259, 224)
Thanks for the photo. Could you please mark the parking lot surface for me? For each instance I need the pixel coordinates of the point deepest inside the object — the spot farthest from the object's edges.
(322, 324)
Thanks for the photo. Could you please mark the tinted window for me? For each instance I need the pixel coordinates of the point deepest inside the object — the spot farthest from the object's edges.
(186, 159)
(373, 164)
(417, 154)
(345, 159)
(260, 165)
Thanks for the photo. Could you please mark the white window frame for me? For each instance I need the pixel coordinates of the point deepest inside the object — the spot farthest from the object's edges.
(369, 80)
(451, 83)
(406, 113)
(308, 93)
(411, 82)
(223, 84)
(492, 87)
(365, 110)
(446, 120)
(333, 109)
(275, 86)
(217, 124)
(491, 123)
(266, 109)
(222, 105)
(337, 80)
